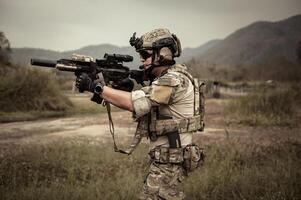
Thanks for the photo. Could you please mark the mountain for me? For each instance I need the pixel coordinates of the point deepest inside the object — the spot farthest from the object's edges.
(22, 56)
(189, 53)
(98, 51)
(255, 44)
(258, 43)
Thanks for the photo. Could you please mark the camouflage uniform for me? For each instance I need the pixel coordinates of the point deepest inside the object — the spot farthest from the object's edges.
(173, 93)
(163, 182)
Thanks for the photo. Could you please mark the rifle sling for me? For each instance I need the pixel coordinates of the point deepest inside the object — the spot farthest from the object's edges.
(136, 140)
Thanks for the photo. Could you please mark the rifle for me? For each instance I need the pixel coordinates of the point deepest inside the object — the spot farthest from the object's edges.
(111, 66)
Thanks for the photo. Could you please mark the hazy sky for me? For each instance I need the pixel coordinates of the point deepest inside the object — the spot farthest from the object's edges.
(71, 24)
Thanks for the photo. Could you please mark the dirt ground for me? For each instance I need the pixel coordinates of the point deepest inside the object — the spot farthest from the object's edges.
(96, 127)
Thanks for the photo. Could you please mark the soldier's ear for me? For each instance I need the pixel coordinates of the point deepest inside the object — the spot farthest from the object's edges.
(165, 54)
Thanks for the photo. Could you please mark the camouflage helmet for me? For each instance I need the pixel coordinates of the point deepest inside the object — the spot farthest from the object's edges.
(159, 42)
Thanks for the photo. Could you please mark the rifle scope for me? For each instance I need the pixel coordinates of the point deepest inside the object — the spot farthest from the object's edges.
(119, 57)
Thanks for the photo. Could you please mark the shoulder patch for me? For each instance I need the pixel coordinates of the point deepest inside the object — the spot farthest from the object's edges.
(161, 94)
(168, 80)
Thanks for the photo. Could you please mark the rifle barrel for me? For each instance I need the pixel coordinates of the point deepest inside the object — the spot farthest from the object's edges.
(43, 62)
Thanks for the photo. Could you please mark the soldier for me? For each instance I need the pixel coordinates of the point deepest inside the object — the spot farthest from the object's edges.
(168, 112)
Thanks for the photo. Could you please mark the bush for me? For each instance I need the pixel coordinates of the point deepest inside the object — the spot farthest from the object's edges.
(25, 89)
(265, 106)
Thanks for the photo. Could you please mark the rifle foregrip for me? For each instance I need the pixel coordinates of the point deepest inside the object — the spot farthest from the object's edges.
(43, 63)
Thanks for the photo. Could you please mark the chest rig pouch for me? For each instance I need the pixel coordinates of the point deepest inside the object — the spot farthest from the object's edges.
(190, 156)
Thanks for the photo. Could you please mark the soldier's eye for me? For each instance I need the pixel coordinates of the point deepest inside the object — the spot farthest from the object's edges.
(144, 54)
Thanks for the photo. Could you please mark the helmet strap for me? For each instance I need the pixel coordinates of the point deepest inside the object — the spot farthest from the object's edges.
(149, 74)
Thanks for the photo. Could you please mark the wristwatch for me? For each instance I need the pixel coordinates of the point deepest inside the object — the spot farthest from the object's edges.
(98, 88)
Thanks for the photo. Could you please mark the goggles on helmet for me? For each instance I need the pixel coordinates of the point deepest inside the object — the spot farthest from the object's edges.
(145, 54)
(166, 42)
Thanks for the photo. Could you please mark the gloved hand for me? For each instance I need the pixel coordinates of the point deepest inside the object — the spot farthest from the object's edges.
(125, 85)
(84, 83)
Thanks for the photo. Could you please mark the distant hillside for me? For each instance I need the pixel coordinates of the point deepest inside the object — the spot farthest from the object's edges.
(189, 53)
(22, 56)
(258, 43)
(97, 51)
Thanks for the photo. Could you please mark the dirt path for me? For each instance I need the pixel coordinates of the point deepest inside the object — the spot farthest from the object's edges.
(51, 129)
(96, 126)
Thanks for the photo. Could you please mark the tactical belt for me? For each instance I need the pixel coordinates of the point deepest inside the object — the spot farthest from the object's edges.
(183, 125)
(166, 155)
(159, 128)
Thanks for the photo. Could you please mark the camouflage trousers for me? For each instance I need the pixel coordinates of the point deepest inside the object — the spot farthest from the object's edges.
(164, 181)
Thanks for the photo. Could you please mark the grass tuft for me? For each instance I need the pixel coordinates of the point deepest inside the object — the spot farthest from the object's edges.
(265, 106)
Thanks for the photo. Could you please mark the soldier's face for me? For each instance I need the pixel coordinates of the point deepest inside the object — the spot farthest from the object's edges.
(146, 60)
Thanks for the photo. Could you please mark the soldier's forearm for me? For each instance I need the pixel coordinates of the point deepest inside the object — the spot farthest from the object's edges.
(118, 98)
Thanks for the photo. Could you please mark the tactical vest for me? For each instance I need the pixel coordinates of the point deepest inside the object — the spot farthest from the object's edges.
(152, 127)
(191, 124)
